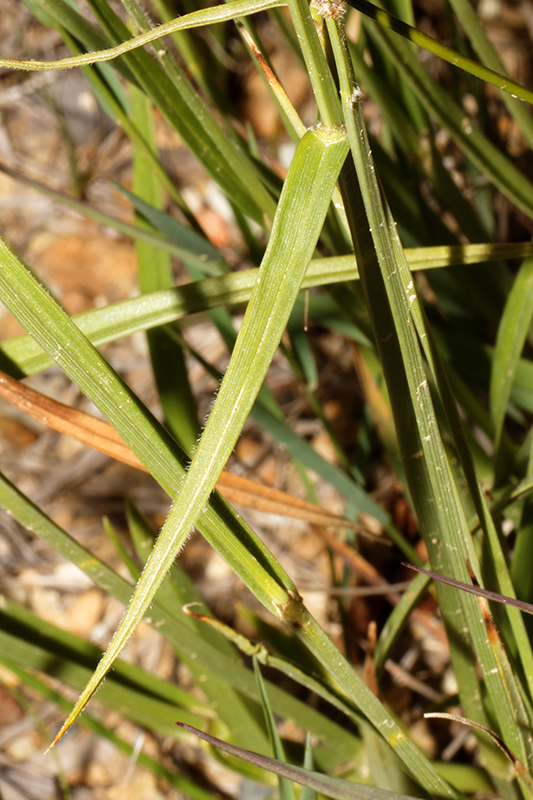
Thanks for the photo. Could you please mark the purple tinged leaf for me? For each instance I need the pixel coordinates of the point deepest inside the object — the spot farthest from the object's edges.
(466, 587)
(336, 788)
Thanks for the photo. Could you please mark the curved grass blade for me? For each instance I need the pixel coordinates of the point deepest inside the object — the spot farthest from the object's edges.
(330, 787)
(519, 769)
(197, 19)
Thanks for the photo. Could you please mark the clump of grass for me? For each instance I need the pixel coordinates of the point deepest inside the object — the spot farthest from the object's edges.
(442, 358)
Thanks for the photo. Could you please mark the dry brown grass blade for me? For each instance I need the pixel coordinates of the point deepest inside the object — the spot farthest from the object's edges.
(477, 590)
(518, 767)
(84, 428)
(98, 434)
(240, 490)
(358, 564)
(369, 668)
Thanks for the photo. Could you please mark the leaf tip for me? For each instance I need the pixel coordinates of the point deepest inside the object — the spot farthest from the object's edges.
(64, 728)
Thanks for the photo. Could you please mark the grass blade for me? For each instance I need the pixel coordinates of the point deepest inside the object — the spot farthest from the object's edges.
(197, 19)
(510, 341)
(166, 356)
(486, 74)
(285, 787)
(326, 785)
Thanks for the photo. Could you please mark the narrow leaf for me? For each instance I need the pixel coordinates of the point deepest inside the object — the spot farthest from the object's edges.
(331, 787)
(477, 590)
(286, 790)
(512, 334)
(209, 16)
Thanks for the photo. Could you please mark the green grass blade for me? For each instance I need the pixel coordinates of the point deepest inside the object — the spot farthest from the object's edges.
(23, 355)
(495, 565)
(286, 789)
(166, 355)
(387, 20)
(241, 717)
(510, 341)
